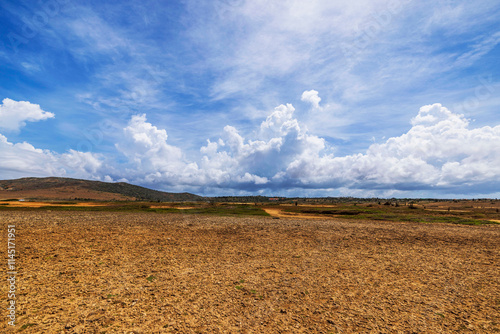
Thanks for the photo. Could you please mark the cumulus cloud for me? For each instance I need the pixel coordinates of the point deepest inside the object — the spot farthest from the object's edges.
(239, 161)
(23, 159)
(438, 152)
(150, 158)
(231, 162)
(147, 147)
(15, 114)
(441, 152)
(83, 163)
(312, 97)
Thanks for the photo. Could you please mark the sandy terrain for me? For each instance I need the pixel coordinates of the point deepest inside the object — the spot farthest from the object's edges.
(281, 214)
(40, 204)
(100, 272)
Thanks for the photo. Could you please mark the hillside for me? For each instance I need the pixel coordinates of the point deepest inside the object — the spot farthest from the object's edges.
(58, 188)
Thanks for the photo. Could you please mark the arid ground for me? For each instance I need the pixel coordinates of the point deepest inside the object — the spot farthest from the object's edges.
(147, 272)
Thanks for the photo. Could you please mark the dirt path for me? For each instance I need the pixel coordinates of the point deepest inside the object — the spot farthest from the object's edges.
(281, 214)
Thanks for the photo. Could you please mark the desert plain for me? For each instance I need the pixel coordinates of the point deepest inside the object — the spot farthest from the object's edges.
(155, 271)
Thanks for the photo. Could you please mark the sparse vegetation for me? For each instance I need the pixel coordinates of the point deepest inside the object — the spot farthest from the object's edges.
(23, 327)
(401, 214)
(201, 208)
(67, 188)
(425, 212)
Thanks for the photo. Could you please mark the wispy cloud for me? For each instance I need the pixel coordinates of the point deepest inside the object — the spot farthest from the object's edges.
(479, 49)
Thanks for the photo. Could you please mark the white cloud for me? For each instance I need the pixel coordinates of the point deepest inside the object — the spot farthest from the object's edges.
(83, 163)
(434, 114)
(14, 114)
(23, 159)
(146, 146)
(151, 160)
(312, 97)
(440, 152)
(243, 162)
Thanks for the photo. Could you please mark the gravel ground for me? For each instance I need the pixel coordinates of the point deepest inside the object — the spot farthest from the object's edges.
(103, 272)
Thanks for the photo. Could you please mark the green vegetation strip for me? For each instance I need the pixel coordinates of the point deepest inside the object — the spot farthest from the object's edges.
(219, 210)
(396, 214)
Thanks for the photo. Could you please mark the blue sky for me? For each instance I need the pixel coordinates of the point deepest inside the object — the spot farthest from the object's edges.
(321, 98)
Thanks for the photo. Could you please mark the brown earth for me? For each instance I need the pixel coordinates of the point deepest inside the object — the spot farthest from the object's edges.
(103, 272)
(40, 204)
(274, 212)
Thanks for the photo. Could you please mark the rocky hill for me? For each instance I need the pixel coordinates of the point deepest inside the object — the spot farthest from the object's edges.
(58, 188)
